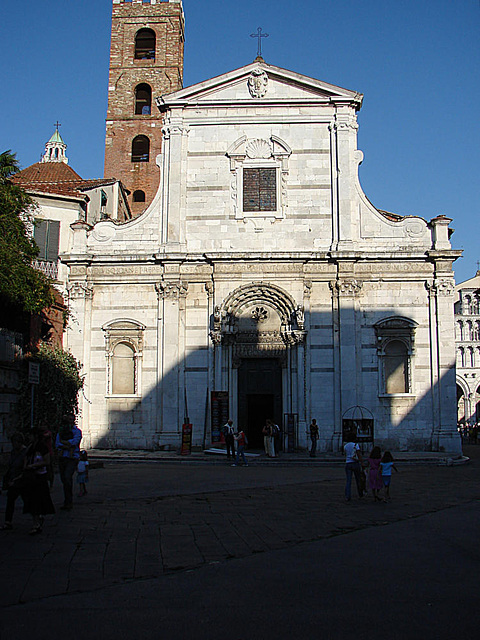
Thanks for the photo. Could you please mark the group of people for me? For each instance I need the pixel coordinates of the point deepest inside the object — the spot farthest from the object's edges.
(379, 469)
(30, 471)
(469, 430)
(271, 438)
(237, 440)
(233, 437)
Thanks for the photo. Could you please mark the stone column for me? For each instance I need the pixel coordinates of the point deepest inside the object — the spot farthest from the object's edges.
(300, 337)
(307, 290)
(172, 382)
(159, 374)
(216, 337)
(173, 185)
(347, 360)
(344, 178)
(441, 298)
(80, 296)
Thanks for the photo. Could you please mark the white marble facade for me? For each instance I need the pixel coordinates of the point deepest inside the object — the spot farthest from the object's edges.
(300, 272)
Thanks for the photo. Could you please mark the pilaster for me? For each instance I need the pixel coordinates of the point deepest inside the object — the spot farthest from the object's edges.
(172, 306)
(347, 357)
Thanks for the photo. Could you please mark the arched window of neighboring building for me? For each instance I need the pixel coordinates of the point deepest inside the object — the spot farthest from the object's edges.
(470, 358)
(145, 44)
(467, 304)
(395, 367)
(123, 369)
(140, 149)
(139, 196)
(476, 330)
(459, 357)
(143, 100)
(468, 330)
(476, 304)
(458, 330)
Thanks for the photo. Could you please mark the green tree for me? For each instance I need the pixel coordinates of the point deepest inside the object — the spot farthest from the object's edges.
(22, 287)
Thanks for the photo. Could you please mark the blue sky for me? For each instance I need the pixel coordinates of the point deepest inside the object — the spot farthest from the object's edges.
(416, 62)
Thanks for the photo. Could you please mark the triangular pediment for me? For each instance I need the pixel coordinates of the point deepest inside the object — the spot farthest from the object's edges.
(260, 82)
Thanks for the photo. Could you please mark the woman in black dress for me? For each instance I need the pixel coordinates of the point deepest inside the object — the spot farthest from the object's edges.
(36, 493)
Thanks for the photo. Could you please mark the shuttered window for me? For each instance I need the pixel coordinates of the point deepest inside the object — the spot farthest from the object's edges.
(259, 189)
(47, 234)
(396, 367)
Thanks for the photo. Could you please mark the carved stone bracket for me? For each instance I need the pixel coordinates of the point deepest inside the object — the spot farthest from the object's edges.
(307, 288)
(78, 290)
(300, 317)
(346, 287)
(343, 125)
(216, 337)
(169, 130)
(292, 338)
(441, 286)
(172, 290)
(209, 288)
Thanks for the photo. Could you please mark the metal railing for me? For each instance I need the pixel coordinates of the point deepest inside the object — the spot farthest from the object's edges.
(47, 267)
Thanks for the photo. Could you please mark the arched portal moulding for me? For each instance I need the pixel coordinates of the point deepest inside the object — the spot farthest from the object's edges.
(261, 320)
(260, 296)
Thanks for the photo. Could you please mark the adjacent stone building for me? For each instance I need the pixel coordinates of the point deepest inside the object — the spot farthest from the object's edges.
(61, 198)
(261, 270)
(467, 338)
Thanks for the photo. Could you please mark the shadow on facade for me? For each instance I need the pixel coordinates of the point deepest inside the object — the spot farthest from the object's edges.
(272, 361)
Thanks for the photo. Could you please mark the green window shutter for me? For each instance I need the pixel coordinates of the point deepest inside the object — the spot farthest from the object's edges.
(40, 233)
(53, 239)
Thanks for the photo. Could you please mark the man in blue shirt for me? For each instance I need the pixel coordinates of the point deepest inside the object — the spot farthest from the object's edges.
(67, 444)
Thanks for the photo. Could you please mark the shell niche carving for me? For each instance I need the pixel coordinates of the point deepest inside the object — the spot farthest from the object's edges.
(258, 149)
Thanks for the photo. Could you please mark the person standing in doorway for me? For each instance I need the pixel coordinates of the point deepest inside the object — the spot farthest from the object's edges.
(267, 433)
(229, 434)
(313, 437)
(352, 466)
(269, 438)
(67, 444)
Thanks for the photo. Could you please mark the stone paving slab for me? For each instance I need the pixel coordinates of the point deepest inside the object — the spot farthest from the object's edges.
(148, 520)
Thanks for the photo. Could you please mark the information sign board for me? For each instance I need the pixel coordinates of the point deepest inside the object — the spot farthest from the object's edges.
(219, 411)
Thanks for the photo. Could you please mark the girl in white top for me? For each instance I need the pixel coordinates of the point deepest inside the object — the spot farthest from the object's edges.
(82, 473)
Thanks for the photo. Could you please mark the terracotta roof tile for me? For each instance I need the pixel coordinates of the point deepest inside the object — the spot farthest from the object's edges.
(56, 178)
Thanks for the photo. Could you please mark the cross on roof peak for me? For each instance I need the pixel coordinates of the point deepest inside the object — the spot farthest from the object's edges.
(259, 35)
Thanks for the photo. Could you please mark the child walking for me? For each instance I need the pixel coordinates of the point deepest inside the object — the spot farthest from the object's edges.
(386, 466)
(82, 473)
(374, 474)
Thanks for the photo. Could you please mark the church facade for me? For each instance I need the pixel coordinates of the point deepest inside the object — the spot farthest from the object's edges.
(262, 274)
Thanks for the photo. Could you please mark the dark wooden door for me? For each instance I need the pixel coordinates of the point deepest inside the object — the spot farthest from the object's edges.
(259, 397)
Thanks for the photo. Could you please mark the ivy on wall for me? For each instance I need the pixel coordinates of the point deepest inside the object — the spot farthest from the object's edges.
(57, 392)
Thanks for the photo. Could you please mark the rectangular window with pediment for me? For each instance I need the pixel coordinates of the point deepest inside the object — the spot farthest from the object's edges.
(259, 189)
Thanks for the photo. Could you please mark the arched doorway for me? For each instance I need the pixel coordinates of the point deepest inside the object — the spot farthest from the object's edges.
(259, 335)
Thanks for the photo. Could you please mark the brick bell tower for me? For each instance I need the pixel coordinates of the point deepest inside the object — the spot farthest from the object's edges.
(146, 61)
